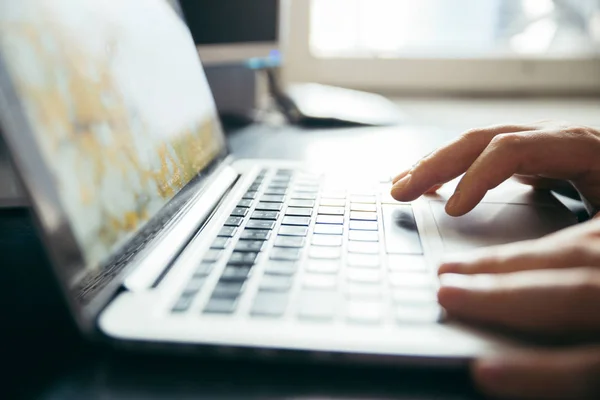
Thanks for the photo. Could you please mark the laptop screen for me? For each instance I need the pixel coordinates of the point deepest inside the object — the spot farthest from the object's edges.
(117, 106)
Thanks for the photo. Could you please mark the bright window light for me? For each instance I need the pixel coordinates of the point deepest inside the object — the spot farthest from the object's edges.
(453, 28)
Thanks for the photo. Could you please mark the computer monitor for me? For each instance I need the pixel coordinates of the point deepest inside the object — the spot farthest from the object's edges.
(233, 30)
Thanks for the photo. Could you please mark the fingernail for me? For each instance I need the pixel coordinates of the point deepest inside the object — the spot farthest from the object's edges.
(401, 184)
(402, 174)
(448, 267)
(453, 202)
(456, 281)
(479, 282)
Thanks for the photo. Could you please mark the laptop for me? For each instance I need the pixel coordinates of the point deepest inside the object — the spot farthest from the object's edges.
(161, 239)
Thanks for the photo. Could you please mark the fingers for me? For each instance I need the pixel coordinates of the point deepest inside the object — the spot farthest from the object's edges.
(503, 157)
(572, 247)
(559, 374)
(448, 162)
(400, 175)
(547, 302)
(434, 189)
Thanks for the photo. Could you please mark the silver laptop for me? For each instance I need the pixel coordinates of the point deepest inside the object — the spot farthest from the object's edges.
(160, 238)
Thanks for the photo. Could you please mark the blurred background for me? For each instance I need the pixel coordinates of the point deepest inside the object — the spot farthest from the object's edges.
(445, 65)
(491, 48)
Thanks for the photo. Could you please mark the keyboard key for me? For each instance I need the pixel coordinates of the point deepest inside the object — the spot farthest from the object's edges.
(325, 229)
(280, 184)
(270, 305)
(303, 196)
(299, 212)
(330, 219)
(364, 226)
(260, 224)
(363, 247)
(220, 306)
(362, 291)
(272, 198)
(245, 203)
(297, 221)
(194, 285)
(363, 236)
(275, 283)
(250, 195)
(364, 312)
(363, 207)
(363, 199)
(323, 266)
(255, 234)
(183, 303)
(400, 228)
(370, 276)
(293, 231)
(284, 172)
(308, 189)
(333, 202)
(325, 253)
(363, 216)
(286, 268)
(327, 240)
(325, 195)
(411, 280)
(301, 203)
(319, 281)
(414, 297)
(212, 256)
(235, 274)
(269, 206)
(290, 241)
(242, 258)
(402, 263)
(227, 290)
(249, 246)
(274, 190)
(220, 243)
(363, 260)
(317, 306)
(239, 212)
(227, 231)
(281, 179)
(285, 254)
(204, 269)
(233, 221)
(266, 215)
(421, 315)
(254, 187)
(363, 191)
(332, 210)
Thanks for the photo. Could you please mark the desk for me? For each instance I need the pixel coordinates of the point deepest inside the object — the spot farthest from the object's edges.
(46, 358)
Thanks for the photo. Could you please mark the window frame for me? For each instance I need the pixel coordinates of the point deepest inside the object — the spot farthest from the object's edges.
(518, 74)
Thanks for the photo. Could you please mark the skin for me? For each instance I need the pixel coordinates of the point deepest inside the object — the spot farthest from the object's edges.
(549, 287)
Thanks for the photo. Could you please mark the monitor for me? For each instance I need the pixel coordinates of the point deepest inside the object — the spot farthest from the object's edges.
(233, 30)
(109, 118)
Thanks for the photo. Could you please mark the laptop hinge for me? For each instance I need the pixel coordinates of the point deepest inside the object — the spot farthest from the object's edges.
(150, 267)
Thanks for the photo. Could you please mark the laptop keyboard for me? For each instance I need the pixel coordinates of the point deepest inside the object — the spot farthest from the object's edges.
(293, 248)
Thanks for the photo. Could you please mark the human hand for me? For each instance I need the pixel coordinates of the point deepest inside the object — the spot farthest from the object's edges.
(538, 154)
(544, 287)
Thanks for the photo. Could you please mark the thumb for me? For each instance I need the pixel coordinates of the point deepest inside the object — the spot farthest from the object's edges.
(543, 374)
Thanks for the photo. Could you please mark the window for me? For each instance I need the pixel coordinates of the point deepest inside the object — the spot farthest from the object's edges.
(455, 45)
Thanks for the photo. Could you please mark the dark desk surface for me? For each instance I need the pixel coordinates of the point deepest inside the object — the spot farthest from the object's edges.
(45, 358)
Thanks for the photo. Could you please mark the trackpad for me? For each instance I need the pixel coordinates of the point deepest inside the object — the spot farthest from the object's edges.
(498, 223)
